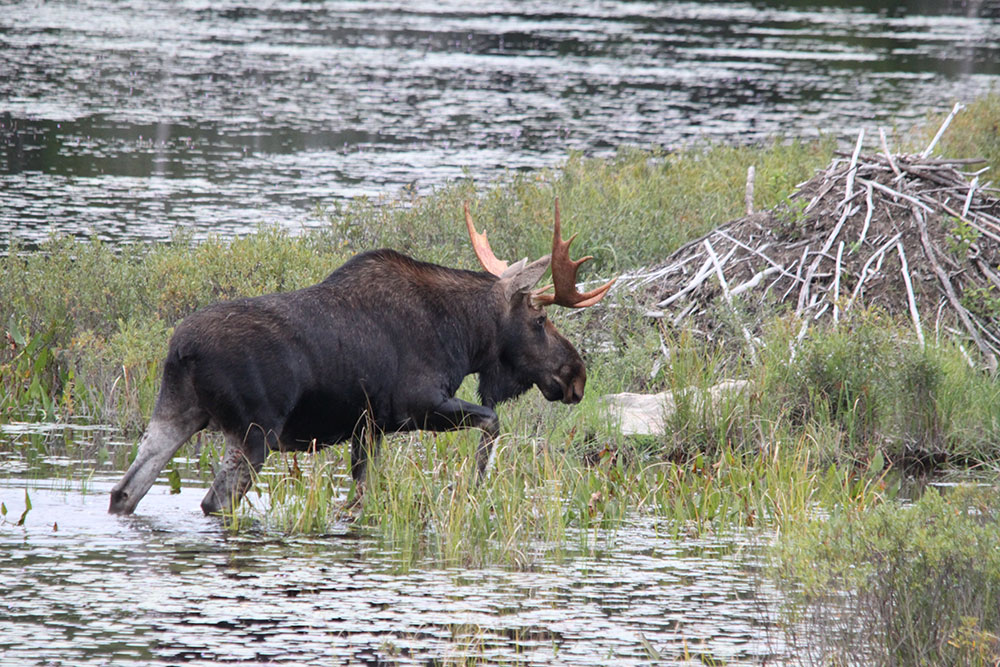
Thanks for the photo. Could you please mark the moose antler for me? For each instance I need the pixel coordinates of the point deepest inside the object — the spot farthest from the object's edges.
(484, 253)
(563, 268)
(564, 275)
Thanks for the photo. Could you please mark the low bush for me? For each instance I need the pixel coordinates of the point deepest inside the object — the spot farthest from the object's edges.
(911, 585)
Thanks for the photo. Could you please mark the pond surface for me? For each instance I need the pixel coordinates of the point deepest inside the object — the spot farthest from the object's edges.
(129, 120)
(168, 585)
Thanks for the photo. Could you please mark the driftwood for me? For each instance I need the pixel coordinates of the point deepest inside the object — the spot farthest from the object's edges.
(914, 235)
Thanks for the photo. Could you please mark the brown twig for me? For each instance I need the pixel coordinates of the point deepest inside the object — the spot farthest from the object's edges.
(949, 290)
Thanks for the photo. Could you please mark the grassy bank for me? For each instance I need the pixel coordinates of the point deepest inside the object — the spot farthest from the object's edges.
(911, 585)
(836, 426)
(86, 324)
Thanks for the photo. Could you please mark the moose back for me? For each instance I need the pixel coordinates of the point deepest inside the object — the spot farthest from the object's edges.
(379, 346)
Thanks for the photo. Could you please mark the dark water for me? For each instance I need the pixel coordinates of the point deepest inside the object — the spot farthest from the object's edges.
(170, 586)
(126, 120)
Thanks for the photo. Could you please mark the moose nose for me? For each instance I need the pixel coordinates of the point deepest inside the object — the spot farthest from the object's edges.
(573, 391)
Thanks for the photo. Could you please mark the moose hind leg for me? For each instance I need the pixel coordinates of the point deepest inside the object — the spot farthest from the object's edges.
(244, 457)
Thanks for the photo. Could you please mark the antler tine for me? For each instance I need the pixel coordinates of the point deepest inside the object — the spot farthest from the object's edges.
(484, 253)
(564, 272)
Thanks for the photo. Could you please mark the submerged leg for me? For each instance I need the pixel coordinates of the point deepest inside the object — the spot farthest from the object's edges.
(161, 440)
(365, 444)
(244, 457)
(483, 452)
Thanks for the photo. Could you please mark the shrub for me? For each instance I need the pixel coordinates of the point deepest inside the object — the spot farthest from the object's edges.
(911, 585)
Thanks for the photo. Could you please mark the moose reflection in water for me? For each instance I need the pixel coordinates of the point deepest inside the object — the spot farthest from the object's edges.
(381, 345)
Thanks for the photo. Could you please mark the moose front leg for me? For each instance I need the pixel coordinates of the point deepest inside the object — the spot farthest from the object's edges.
(454, 413)
(483, 452)
(243, 458)
(364, 450)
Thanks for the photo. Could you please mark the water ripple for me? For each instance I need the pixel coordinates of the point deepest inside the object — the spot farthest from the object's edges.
(128, 120)
(169, 585)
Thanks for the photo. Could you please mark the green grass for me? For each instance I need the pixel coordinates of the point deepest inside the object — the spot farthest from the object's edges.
(552, 492)
(104, 338)
(815, 451)
(920, 583)
(973, 133)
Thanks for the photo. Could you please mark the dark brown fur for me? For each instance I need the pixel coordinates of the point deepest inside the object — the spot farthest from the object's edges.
(380, 346)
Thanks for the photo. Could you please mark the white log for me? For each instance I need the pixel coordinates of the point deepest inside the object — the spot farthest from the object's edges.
(897, 193)
(755, 280)
(852, 170)
(836, 284)
(704, 272)
(864, 269)
(904, 267)
(944, 126)
(968, 197)
(868, 215)
(888, 155)
(751, 347)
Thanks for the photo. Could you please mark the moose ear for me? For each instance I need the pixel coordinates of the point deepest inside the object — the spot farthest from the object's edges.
(522, 276)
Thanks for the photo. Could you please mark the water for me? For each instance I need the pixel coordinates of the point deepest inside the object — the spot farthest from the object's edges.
(128, 120)
(168, 585)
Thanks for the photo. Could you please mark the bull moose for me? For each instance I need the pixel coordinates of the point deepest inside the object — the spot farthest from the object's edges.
(380, 346)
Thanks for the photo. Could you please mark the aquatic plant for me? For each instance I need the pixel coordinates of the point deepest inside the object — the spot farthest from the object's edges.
(827, 427)
(917, 584)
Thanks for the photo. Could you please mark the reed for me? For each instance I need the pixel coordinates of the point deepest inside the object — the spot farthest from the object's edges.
(854, 401)
(918, 584)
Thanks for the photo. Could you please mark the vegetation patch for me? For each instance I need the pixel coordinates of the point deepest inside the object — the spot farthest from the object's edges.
(917, 584)
(845, 401)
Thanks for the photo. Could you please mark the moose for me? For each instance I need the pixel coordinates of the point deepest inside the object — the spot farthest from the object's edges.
(380, 346)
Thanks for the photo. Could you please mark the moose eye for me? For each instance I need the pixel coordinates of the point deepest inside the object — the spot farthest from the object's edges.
(540, 321)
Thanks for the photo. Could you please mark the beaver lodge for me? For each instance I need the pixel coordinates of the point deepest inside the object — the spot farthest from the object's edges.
(915, 235)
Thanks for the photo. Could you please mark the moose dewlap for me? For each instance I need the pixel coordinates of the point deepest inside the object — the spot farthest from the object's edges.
(379, 346)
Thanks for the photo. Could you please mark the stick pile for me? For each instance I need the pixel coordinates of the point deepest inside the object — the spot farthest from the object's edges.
(914, 235)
